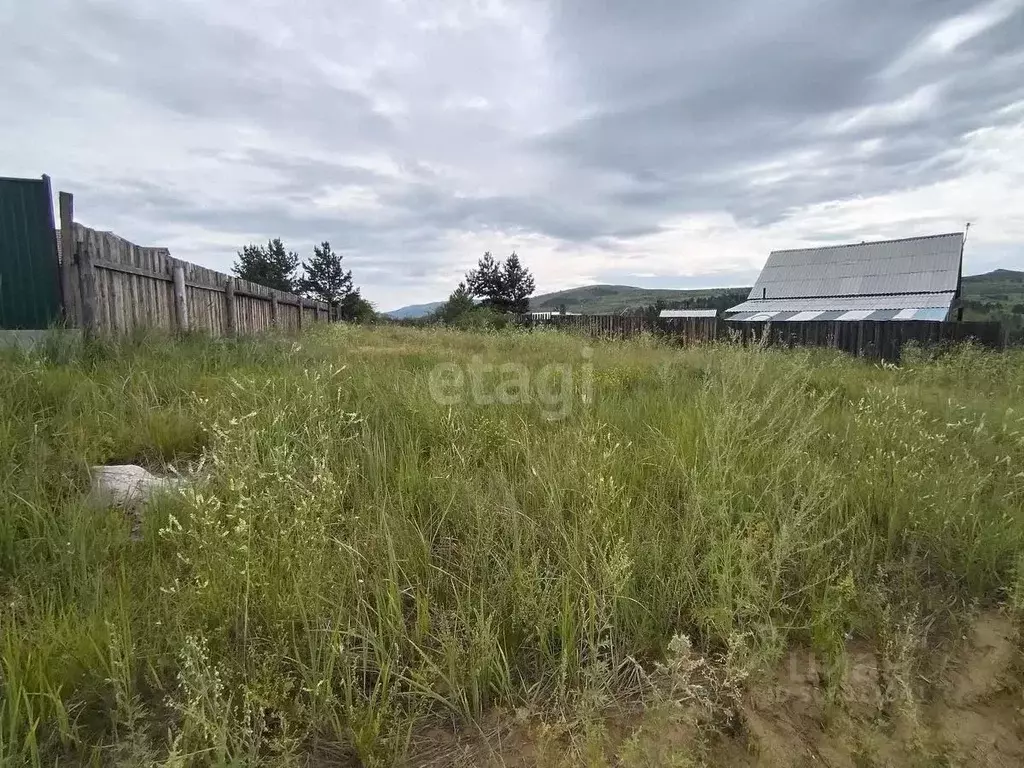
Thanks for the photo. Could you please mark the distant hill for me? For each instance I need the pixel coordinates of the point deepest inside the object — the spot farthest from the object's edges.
(1000, 290)
(414, 310)
(996, 295)
(613, 299)
(999, 285)
(589, 299)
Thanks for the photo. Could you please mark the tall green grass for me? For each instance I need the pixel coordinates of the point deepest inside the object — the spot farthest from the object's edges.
(356, 557)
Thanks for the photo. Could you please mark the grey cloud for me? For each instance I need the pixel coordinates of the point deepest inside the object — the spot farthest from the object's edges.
(398, 251)
(1001, 40)
(683, 95)
(790, 57)
(182, 62)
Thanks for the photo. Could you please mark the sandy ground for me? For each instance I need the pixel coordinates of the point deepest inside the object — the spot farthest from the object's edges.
(972, 714)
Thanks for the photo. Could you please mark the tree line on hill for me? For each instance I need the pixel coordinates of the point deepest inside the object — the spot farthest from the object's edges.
(998, 309)
(323, 277)
(720, 301)
(993, 307)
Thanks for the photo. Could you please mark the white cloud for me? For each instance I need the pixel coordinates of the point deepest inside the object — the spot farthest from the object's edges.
(921, 103)
(949, 35)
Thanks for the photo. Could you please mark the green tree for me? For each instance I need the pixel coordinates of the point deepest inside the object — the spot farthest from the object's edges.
(652, 311)
(354, 308)
(271, 265)
(485, 282)
(517, 285)
(325, 278)
(458, 305)
(503, 287)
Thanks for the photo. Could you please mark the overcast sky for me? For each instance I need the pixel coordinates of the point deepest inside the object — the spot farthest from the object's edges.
(645, 142)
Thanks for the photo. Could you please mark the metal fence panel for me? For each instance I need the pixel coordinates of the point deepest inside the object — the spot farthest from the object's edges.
(29, 273)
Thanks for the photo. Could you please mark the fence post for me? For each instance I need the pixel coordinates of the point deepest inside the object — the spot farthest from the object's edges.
(87, 277)
(232, 316)
(275, 310)
(67, 250)
(180, 298)
(301, 302)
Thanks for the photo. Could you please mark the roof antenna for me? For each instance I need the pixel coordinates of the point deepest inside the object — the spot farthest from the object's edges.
(967, 230)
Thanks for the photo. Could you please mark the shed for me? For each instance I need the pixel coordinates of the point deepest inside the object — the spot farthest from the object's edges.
(915, 278)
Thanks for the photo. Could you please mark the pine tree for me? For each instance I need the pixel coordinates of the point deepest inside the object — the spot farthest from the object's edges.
(485, 281)
(459, 304)
(517, 286)
(324, 278)
(504, 287)
(271, 265)
(354, 308)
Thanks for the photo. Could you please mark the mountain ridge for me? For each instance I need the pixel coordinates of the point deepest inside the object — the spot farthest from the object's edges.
(610, 299)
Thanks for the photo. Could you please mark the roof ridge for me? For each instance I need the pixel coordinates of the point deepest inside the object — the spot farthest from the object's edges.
(852, 295)
(868, 242)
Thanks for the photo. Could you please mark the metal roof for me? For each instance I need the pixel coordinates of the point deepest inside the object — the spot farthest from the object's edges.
(933, 314)
(848, 303)
(914, 265)
(667, 313)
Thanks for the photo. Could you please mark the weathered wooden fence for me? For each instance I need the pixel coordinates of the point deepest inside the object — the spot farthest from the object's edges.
(690, 330)
(114, 287)
(876, 339)
(597, 325)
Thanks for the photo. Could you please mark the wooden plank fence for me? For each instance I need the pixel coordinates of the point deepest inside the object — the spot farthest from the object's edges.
(114, 287)
(874, 339)
(688, 330)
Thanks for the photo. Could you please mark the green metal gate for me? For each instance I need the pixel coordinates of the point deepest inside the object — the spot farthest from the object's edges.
(29, 273)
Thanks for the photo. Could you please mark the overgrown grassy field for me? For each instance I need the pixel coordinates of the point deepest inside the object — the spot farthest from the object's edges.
(357, 560)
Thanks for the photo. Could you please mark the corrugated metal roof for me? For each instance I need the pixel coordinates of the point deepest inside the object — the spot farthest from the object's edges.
(667, 313)
(933, 314)
(856, 314)
(914, 265)
(936, 315)
(848, 303)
